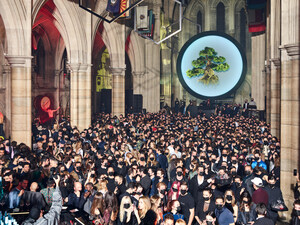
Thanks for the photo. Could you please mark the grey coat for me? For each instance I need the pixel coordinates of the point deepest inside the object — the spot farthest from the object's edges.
(52, 217)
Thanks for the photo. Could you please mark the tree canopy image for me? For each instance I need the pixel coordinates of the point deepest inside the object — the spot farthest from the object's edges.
(207, 64)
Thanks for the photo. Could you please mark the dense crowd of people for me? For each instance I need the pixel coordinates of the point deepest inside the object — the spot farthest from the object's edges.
(155, 168)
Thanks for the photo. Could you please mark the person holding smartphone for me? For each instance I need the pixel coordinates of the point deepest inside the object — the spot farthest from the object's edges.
(128, 214)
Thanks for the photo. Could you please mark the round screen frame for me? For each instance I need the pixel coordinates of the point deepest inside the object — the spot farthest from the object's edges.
(205, 34)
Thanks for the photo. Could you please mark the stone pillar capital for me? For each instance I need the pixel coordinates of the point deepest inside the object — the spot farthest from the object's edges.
(84, 67)
(17, 60)
(118, 71)
(6, 68)
(73, 67)
(293, 50)
(276, 62)
(138, 73)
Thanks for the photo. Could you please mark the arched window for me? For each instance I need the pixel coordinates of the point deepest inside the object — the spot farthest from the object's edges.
(200, 21)
(221, 17)
(243, 27)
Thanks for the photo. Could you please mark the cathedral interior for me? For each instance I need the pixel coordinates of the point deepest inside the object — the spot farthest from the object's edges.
(85, 65)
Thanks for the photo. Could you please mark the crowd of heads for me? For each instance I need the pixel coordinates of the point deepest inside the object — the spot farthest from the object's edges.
(150, 168)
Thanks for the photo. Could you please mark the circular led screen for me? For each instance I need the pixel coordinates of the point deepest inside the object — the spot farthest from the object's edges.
(211, 65)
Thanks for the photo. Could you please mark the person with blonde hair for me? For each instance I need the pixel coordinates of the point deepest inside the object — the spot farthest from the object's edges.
(128, 214)
(156, 207)
(77, 158)
(180, 222)
(102, 186)
(147, 215)
(152, 162)
(78, 148)
(144, 206)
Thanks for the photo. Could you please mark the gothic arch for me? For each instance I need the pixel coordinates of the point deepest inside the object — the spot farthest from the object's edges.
(100, 9)
(16, 36)
(239, 5)
(111, 38)
(96, 26)
(214, 3)
(76, 40)
(38, 4)
(115, 44)
(67, 21)
(136, 53)
(48, 25)
(194, 7)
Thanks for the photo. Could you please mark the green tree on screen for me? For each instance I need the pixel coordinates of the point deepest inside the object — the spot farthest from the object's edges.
(207, 64)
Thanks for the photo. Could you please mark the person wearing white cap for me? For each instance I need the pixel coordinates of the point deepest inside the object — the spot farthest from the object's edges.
(259, 195)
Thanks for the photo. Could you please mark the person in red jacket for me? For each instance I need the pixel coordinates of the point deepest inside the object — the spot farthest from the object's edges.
(259, 195)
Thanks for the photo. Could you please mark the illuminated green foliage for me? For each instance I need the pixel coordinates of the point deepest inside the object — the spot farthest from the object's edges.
(206, 65)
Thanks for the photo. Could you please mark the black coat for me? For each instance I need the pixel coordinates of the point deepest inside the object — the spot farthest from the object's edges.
(274, 195)
(195, 189)
(149, 218)
(163, 161)
(199, 209)
(74, 202)
(263, 221)
(132, 221)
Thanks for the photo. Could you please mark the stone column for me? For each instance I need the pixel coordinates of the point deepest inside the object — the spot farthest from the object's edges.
(290, 60)
(275, 7)
(80, 95)
(151, 99)
(118, 91)
(88, 90)
(258, 65)
(290, 134)
(74, 94)
(230, 22)
(275, 97)
(7, 119)
(211, 18)
(57, 86)
(20, 98)
(267, 72)
(138, 85)
(166, 75)
(84, 97)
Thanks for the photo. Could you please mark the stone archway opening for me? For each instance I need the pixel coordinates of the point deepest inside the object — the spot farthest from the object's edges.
(50, 77)
(101, 76)
(129, 96)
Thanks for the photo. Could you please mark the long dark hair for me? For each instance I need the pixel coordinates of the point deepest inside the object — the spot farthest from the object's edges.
(98, 203)
(247, 195)
(110, 201)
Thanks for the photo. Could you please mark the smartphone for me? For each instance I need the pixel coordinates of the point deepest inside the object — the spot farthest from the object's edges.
(295, 172)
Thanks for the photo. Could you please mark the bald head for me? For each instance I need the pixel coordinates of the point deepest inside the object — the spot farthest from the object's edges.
(77, 186)
(34, 186)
